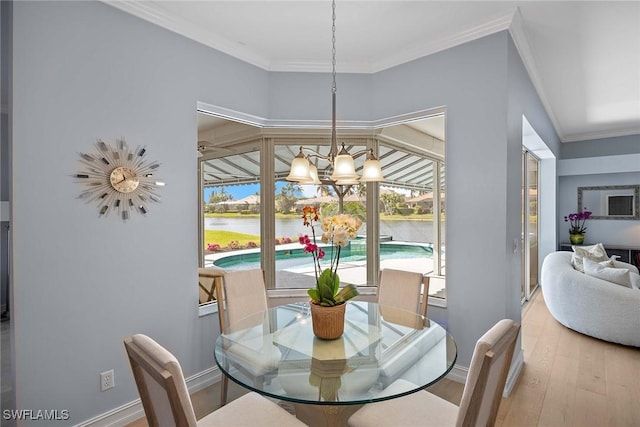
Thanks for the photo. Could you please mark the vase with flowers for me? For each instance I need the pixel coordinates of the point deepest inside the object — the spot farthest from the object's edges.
(327, 298)
(577, 226)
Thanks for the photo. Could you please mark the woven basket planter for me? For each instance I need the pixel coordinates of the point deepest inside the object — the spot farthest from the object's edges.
(328, 322)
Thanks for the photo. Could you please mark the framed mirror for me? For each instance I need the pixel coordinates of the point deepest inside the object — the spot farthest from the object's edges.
(610, 202)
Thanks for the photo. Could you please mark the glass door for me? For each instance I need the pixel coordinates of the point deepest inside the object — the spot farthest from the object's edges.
(530, 231)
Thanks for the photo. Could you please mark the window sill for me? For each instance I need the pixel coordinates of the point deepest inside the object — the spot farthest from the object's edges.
(207, 309)
(437, 302)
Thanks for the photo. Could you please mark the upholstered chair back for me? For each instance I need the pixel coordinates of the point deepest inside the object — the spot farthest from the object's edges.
(405, 290)
(160, 382)
(487, 375)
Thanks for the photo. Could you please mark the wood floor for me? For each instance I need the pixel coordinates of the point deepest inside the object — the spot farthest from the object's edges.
(568, 379)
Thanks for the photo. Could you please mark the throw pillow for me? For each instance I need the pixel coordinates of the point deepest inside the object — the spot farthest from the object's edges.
(610, 262)
(595, 253)
(619, 276)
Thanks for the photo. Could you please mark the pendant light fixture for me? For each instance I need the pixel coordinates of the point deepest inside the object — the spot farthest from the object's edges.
(344, 173)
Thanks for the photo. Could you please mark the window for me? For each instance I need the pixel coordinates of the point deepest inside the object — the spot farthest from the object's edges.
(231, 216)
(412, 214)
(403, 222)
(294, 268)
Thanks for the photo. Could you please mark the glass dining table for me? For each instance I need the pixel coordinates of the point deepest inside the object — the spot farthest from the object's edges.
(275, 354)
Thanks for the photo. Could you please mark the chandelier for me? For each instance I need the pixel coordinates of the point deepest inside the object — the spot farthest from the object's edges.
(344, 173)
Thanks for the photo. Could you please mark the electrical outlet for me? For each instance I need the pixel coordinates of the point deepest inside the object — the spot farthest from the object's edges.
(106, 380)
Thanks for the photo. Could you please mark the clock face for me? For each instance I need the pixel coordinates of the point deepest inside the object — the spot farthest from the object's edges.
(124, 179)
(119, 179)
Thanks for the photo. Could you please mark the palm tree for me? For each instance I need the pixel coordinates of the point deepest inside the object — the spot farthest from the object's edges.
(325, 190)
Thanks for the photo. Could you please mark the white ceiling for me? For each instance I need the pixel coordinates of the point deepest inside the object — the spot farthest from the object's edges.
(583, 56)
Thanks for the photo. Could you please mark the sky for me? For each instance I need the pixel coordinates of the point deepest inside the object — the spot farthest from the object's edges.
(242, 191)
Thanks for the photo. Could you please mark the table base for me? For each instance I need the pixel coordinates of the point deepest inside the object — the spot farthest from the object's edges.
(325, 415)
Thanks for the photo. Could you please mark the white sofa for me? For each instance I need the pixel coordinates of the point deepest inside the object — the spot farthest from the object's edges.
(590, 305)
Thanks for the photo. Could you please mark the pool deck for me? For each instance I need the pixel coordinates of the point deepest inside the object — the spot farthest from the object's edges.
(356, 273)
(350, 272)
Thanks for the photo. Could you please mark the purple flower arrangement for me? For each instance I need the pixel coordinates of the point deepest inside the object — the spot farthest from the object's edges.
(577, 221)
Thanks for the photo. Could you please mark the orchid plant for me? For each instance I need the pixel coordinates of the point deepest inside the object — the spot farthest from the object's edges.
(336, 231)
(577, 221)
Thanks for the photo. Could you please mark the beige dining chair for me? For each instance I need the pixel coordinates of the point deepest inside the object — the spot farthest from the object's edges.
(242, 300)
(405, 290)
(208, 280)
(480, 399)
(166, 400)
(243, 293)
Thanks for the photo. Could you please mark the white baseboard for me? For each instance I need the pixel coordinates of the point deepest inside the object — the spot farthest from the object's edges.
(458, 374)
(203, 379)
(117, 417)
(132, 411)
(514, 372)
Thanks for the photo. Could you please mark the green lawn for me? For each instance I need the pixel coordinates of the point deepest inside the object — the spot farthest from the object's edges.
(223, 238)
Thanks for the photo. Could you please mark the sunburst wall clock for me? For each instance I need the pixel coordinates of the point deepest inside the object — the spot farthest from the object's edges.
(119, 179)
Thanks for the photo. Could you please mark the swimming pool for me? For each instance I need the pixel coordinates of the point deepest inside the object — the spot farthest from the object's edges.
(292, 256)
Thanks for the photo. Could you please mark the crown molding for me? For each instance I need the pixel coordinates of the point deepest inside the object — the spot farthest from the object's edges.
(512, 22)
(253, 120)
(421, 50)
(600, 135)
(518, 35)
(356, 67)
(148, 12)
(404, 56)
(229, 114)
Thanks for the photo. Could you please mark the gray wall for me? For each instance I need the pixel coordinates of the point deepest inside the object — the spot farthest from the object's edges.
(601, 147)
(524, 101)
(307, 96)
(610, 232)
(486, 91)
(581, 166)
(82, 283)
(84, 70)
(471, 81)
(5, 165)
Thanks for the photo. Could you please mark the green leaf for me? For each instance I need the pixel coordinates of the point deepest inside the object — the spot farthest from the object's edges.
(313, 294)
(326, 293)
(346, 293)
(336, 283)
(327, 287)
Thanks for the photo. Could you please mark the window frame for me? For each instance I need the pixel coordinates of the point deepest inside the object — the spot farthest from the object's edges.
(284, 135)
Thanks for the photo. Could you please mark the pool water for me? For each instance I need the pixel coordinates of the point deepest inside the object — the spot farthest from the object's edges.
(296, 257)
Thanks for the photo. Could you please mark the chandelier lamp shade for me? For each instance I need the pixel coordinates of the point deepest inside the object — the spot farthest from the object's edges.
(304, 171)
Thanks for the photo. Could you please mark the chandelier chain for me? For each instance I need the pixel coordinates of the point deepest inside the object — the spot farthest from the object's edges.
(333, 41)
(344, 175)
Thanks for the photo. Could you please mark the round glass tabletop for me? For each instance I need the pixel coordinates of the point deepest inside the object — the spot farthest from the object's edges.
(384, 353)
